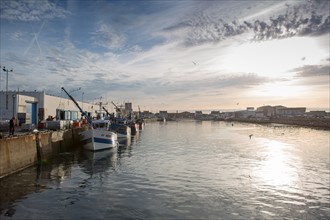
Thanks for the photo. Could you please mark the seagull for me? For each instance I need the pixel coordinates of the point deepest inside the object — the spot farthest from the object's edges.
(194, 63)
(250, 135)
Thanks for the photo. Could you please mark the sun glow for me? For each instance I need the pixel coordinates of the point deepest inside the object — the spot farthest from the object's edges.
(274, 58)
(279, 90)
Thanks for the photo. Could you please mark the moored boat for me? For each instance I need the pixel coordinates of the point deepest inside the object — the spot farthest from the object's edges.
(99, 137)
(127, 117)
(119, 125)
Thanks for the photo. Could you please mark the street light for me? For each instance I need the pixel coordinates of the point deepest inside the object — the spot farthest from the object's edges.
(75, 90)
(7, 70)
(82, 101)
(14, 103)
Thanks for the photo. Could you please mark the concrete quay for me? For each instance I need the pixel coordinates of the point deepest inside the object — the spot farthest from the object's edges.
(27, 149)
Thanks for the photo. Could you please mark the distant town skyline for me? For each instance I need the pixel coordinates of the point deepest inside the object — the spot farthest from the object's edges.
(170, 55)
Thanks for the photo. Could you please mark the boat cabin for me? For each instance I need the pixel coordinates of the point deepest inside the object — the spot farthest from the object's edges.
(101, 124)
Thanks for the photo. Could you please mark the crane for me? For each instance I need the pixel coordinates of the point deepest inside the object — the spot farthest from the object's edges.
(80, 109)
(117, 109)
(106, 110)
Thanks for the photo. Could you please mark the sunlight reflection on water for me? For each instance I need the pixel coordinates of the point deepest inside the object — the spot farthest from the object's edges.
(278, 167)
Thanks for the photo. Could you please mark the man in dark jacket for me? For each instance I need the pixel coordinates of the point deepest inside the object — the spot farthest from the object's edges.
(12, 124)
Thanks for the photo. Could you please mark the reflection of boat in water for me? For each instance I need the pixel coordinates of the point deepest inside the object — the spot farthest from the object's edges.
(125, 141)
(98, 161)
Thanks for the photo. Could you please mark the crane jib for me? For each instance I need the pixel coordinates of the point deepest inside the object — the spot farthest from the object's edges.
(81, 111)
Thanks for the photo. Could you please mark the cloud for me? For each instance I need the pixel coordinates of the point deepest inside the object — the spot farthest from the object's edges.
(299, 20)
(173, 92)
(107, 37)
(307, 18)
(313, 70)
(32, 10)
(203, 28)
(186, 85)
(18, 59)
(17, 36)
(316, 78)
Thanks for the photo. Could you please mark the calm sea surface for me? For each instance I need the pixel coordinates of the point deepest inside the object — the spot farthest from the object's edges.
(182, 170)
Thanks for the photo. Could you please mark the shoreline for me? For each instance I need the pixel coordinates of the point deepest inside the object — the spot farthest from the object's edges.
(315, 123)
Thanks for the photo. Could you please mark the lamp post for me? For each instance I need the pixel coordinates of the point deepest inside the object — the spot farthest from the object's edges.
(82, 101)
(0, 98)
(75, 90)
(14, 103)
(7, 70)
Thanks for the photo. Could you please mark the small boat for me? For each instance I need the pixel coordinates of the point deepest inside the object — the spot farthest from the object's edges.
(119, 125)
(134, 128)
(99, 137)
(140, 123)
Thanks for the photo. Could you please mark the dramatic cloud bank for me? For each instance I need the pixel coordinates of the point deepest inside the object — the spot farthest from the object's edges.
(309, 18)
(170, 55)
(32, 10)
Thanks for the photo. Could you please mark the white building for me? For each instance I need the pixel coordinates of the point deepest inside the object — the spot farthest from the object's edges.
(198, 114)
(163, 114)
(215, 114)
(36, 106)
(268, 111)
(287, 112)
(245, 114)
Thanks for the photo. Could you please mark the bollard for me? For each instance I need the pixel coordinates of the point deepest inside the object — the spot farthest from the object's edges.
(38, 147)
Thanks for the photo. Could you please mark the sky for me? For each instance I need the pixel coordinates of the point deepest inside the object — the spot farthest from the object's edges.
(170, 55)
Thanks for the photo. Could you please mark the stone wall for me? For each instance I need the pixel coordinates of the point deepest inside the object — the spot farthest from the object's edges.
(19, 152)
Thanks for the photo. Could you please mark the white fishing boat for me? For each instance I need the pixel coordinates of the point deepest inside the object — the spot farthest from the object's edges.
(98, 137)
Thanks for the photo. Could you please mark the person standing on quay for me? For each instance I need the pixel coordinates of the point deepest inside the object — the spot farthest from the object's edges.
(12, 123)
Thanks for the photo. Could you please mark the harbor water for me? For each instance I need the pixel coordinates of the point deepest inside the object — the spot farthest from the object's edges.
(182, 170)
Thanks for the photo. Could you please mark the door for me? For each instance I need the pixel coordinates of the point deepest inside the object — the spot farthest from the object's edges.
(34, 113)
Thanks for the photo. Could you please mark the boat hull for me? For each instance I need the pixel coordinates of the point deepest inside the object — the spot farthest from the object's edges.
(95, 140)
(123, 131)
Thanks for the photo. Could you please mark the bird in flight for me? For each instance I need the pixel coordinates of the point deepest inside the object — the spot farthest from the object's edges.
(194, 63)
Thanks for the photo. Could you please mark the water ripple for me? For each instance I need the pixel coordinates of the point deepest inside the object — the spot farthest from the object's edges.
(187, 170)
